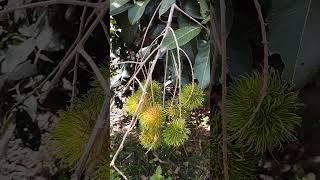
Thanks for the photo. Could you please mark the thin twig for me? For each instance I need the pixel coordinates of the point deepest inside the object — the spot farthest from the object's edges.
(214, 32)
(5, 139)
(76, 62)
(101, 123)
(95, 69)
(263, 91)
(179, 67)
(105, 30)
(94, 12)
(300, 41)
(224, 90)
(51, 2)
(165, 78)
(144, 37)
(72, 53)
(179, 9)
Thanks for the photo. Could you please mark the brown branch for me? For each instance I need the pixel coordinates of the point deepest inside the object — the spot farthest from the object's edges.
(101, 123)
(51, 2)
(5, 139)
(214, 32)
(94, 12)
(263, 91)
(105, 30)
(78, 44)
(76, 63)
(224, 90)
(95, 69)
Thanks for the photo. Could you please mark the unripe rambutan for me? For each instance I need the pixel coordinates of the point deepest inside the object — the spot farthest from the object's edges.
(150, 139)
(133, 102)
(191, 98)
(151, 97)
(273, 123)
(176, 133)
(152, 117)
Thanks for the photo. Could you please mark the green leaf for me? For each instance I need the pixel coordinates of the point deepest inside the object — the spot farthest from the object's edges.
(157, 175)
(189, 51)
(120, 9)
(294, 26)
(204, 11)
(202, 64)
(192, 8)
(156, 31)
(128, 32)
(183, 36)
(115, 4)
(158, 171)
(135, 12)
(165, 5)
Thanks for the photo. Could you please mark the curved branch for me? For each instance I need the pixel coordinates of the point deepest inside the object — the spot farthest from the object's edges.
(51, 2)
(224, 90)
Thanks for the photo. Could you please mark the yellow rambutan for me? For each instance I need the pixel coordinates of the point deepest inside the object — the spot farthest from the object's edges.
(150, 139)
(152, 117)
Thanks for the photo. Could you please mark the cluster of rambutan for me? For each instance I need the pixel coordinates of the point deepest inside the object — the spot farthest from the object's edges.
(164, 123)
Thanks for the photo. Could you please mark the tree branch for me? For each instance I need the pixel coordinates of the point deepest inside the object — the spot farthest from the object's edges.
(78, 44)
(5, 139)
(76, 62)
(95, 69)
(263, 91)
(51, 2)
(224, 90)
(101, 123)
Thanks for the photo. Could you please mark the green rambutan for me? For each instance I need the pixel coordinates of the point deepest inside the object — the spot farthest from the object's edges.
(153, 96)
(176, 133)
(132, 103)
(75, 126)
(150, 139)
(191, 97)
(275, 121)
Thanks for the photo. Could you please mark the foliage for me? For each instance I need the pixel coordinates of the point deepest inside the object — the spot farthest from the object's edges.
(275, 121)
(153, 117)
(158, 175)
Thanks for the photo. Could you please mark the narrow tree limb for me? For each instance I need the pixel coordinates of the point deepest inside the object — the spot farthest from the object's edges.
(5, 139)
(224, 90)
(214, 32)
(51, 2)
(105, 29)
(76, 62)
(73, 51)
(95, 69)
(265, 74)
(101, 123)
